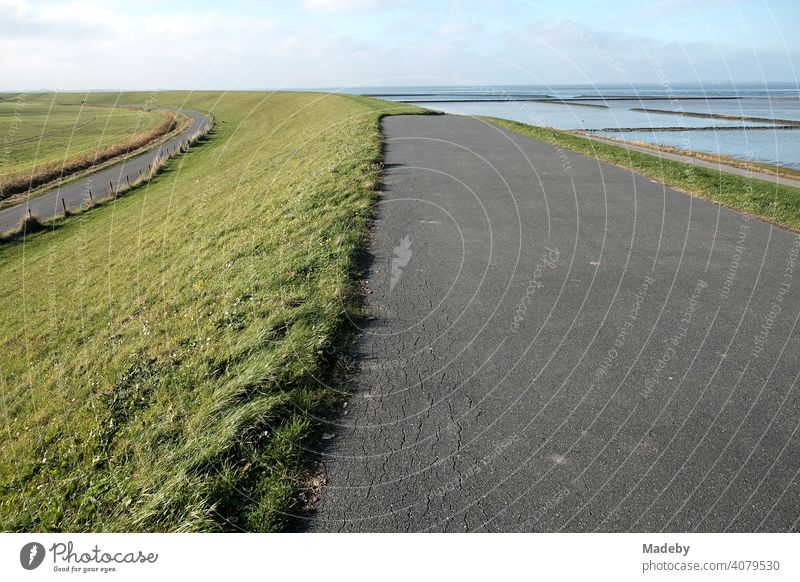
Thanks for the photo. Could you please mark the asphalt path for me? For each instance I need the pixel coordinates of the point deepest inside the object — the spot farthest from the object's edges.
(99, 183)
(717, 166)
(558, 344)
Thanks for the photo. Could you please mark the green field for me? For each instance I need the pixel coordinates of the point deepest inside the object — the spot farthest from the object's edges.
(47, 130)
(164, 356)
(776, 203)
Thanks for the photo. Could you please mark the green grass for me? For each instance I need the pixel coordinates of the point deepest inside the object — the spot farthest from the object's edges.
(754, 167)
(773, 202)
(164, 356)
(39, 130)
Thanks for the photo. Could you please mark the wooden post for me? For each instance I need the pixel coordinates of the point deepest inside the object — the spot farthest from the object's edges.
(64, 206)
(128, 180)
(29, 213)
(90, 196)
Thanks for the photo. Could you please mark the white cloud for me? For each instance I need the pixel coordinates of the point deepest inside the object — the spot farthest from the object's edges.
(342, 6)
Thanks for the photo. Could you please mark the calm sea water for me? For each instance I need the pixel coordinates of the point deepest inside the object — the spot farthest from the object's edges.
(618, 104)
(708, 90)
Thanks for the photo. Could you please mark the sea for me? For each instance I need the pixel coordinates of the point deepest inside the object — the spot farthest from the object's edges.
(750, 121)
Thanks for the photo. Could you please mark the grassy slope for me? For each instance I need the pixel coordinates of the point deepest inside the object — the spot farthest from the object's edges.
(774, 202)
(163, 357)
(69, 131)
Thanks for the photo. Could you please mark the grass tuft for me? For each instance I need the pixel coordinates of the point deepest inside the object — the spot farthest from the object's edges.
(29, 225)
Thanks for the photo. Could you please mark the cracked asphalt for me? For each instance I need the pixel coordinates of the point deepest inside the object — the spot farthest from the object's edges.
(558, 344)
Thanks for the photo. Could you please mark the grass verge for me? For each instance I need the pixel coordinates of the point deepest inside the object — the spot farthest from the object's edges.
(47, 175)
(755, 167)
(165, 356)
(39, 131)
(773, 202)
(31, 223)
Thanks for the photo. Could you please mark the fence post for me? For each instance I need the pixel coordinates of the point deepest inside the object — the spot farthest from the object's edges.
(64, 206)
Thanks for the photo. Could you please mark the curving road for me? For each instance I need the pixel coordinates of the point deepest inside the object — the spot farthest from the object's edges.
(559, 344)
(75, 193)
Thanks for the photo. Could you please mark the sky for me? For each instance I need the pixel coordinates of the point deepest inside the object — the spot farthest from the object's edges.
(245, 44)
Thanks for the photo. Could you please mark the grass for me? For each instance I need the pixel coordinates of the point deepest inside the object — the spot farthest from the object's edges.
(45, 138)
(754, 167)
(165, 355)
(31, 223)
(776, 203)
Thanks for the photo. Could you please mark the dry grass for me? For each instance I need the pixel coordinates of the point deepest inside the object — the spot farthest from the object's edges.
(30, 224)
(20, 182)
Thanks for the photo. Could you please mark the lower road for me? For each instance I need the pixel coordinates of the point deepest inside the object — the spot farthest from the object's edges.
(99, 183)
(716, 166)
(558, 344)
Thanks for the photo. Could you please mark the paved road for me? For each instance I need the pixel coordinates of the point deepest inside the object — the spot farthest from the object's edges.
(75, 193)
(557, 344)
(696, 162)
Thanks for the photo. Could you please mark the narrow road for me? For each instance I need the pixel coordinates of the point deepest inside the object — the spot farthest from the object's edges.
(99, 183)
(558, 344)
(719, 167)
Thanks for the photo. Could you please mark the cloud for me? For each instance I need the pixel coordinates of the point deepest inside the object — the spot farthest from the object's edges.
(59, 47)
(343, 6)
(75, 19)
(670, 7)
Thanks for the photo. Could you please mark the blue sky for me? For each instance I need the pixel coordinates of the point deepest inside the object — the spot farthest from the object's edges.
(87, 44)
